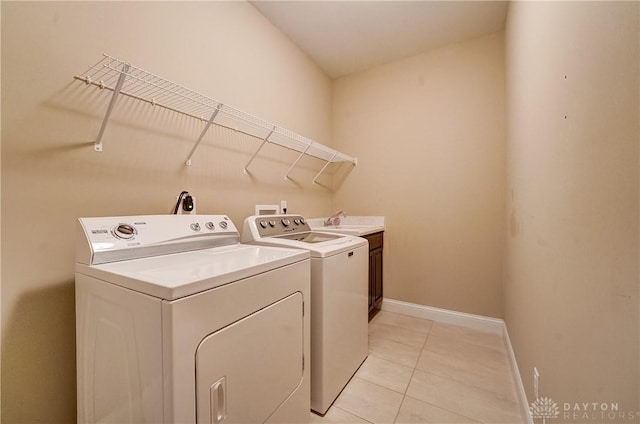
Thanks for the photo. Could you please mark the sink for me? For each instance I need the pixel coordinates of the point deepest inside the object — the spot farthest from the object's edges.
(352, 229)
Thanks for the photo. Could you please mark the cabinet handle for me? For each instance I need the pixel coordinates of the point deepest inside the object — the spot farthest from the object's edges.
(350, 254)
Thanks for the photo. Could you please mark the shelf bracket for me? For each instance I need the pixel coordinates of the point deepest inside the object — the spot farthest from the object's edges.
(286, 176)
(264, 141)
(204, 131)
(116, 91)
(325, 167)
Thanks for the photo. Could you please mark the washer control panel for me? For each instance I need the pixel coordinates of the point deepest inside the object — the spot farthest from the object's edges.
(274, 225)
(152, 234)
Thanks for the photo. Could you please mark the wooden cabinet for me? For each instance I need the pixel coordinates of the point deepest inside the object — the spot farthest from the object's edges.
(375, 272)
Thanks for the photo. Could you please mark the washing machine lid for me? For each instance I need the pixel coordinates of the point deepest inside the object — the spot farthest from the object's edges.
(321, 249)
(292, 231)
(310, 237)
(177, 275)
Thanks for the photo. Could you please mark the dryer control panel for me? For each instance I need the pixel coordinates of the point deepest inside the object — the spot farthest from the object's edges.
(109, 239)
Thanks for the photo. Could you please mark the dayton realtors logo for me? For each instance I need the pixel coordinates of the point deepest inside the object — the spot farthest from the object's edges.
(598, 412)
(544, 408)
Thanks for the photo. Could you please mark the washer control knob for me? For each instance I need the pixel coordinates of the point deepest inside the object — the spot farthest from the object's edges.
(125, 231)
(263, 224)
(210, 225)
(285, 222)
(296, 221)
(302, 220)
(223, 224)
(195, 226)
(272, 223)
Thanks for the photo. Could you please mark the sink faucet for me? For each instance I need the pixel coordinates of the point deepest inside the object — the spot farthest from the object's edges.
(334, 219)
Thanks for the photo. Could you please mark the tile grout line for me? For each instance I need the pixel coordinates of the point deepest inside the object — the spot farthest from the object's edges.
(476, 362)
(353, 413)
(384, 387)
(415, 367)
(498, 394)
(403, 328)
(448, 378)
(429, 335)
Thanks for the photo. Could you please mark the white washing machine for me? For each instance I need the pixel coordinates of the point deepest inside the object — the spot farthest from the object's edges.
(176, 322)
(339, 298)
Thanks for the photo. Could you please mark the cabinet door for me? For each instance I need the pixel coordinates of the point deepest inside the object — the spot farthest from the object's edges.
(246, 370)
(375, 272)
(377, 276)
(372, 280)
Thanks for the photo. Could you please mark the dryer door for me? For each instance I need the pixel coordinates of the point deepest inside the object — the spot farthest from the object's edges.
(247, 369)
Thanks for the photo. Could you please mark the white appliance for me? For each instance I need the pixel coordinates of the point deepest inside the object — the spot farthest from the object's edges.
(339, 298)
(176, 322)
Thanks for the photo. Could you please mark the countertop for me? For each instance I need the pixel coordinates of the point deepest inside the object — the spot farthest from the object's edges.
(351, 225)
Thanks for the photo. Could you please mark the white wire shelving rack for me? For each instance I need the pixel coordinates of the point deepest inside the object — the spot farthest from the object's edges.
(124, 79)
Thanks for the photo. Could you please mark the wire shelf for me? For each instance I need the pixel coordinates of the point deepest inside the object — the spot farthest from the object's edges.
(127, 80)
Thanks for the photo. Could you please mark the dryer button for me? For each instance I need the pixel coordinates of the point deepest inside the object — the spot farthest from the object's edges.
(195, 226)
(210, 225)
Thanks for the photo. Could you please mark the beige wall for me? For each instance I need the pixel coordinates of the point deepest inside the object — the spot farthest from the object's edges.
(429, 134)
(571, 293)
(0, 227)
(51, 175)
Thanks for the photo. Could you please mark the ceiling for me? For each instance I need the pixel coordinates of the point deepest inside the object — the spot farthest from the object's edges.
(343, 37)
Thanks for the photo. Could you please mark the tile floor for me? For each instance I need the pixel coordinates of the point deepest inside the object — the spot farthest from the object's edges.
(421, 371)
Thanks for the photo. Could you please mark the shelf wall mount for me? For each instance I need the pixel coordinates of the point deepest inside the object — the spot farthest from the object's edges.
(116, 91)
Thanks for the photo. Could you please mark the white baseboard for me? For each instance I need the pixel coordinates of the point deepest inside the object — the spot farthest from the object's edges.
(515, 374)
(476, 322)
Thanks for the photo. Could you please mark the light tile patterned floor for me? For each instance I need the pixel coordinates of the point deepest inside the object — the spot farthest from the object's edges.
(421, 371)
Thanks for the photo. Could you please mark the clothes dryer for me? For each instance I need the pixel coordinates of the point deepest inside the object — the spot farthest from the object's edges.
(176, 322)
